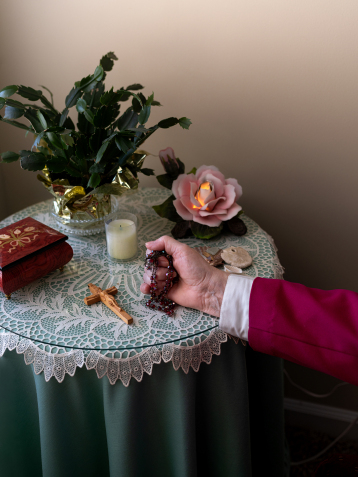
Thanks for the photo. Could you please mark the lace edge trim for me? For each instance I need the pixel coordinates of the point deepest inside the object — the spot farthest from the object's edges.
(58, 365)
(278, 268)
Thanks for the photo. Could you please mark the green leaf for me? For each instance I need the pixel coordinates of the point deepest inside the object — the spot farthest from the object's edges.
(96, 168)
(42, 119)
(110, 97)
(134, 87)
(129, 119)
(73, 171)
(58, 129)
(138, 102)
(63, 117)
(35, 161)
(165, 180)
(168, 123)
(17, 124)
(107, 61)
(81, 105)
(68, 124)
(32, 117)
(94, 180)
(68, 139)
(81, 164)
(101, 151)
(204, 231)
(54, 140)
(125, 95)
(47, 103)
(59, 152)
(9, 156)
(105, 116)
(56, 164)
(64, 145)
(144, 115)
(14, 104)
(98, 74)
(89, 115)
(44, 87)
(193, 171)
(2, 102)
(13, 113)
(150, 100)
(156, 103)
(123, 144)
(72, 97)
(184, 123)
(24, 153)
(97, 139)
(167, 210)
(41, 149)
(29, 93)
(8, 91)
(147, 172)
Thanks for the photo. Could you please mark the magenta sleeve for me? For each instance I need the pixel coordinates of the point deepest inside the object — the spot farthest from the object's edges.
(311, 327)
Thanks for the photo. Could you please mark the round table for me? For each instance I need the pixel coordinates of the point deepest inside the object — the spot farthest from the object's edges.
(186, 419)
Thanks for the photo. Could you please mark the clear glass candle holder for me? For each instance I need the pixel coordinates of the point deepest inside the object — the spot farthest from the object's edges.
(121, 236)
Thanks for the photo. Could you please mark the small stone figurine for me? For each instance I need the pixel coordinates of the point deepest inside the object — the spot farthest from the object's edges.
(160, 301)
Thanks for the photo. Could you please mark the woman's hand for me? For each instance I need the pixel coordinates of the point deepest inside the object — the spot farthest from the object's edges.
(200, 285)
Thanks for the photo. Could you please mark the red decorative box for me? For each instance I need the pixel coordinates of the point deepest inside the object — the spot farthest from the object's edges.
(28, 251)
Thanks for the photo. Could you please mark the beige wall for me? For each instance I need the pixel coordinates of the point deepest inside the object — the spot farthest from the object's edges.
(270, 85)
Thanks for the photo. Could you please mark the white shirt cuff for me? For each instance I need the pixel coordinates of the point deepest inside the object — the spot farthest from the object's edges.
(234, 315)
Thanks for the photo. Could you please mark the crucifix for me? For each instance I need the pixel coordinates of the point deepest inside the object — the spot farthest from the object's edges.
(105, 296)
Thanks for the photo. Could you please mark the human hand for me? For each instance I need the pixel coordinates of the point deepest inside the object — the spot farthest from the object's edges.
(200, 285)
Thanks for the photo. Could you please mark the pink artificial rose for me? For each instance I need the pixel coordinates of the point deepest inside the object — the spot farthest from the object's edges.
(206, 197)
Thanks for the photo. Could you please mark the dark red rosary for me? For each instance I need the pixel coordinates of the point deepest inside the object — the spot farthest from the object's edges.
(160, 300)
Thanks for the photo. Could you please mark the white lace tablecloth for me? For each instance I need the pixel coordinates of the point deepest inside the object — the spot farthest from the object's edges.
(50, 324)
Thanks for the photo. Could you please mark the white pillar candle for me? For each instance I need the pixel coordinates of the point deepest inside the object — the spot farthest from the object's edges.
(121, 238)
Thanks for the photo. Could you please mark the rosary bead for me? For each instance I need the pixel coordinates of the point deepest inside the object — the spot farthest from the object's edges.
(151, 263)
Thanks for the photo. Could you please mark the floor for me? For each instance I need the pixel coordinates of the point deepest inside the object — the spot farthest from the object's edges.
(304, 443)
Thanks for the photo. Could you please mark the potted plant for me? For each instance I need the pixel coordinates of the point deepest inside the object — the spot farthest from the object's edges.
(84, 166)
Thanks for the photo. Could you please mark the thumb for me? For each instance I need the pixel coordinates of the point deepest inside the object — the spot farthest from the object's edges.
(166, 243)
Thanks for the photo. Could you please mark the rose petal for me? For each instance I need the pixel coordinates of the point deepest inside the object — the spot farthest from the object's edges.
(210, 197)
(238, 188)
(230, 196)
(203, 169)
(234, 210)
(193, 190)
(189, 205)
(217, 183)
(182, 211)
(214, 173)
(220, 212)
(211, 221)
(181, 185)
(167, 152)
(211, 205)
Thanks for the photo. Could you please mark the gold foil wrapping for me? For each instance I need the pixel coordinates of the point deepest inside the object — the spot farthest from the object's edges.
(72, 202)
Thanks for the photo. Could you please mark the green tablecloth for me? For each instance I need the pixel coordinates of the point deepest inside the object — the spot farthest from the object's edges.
(225, 420)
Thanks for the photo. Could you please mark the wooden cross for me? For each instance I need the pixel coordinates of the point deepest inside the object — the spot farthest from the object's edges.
(105, 297)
